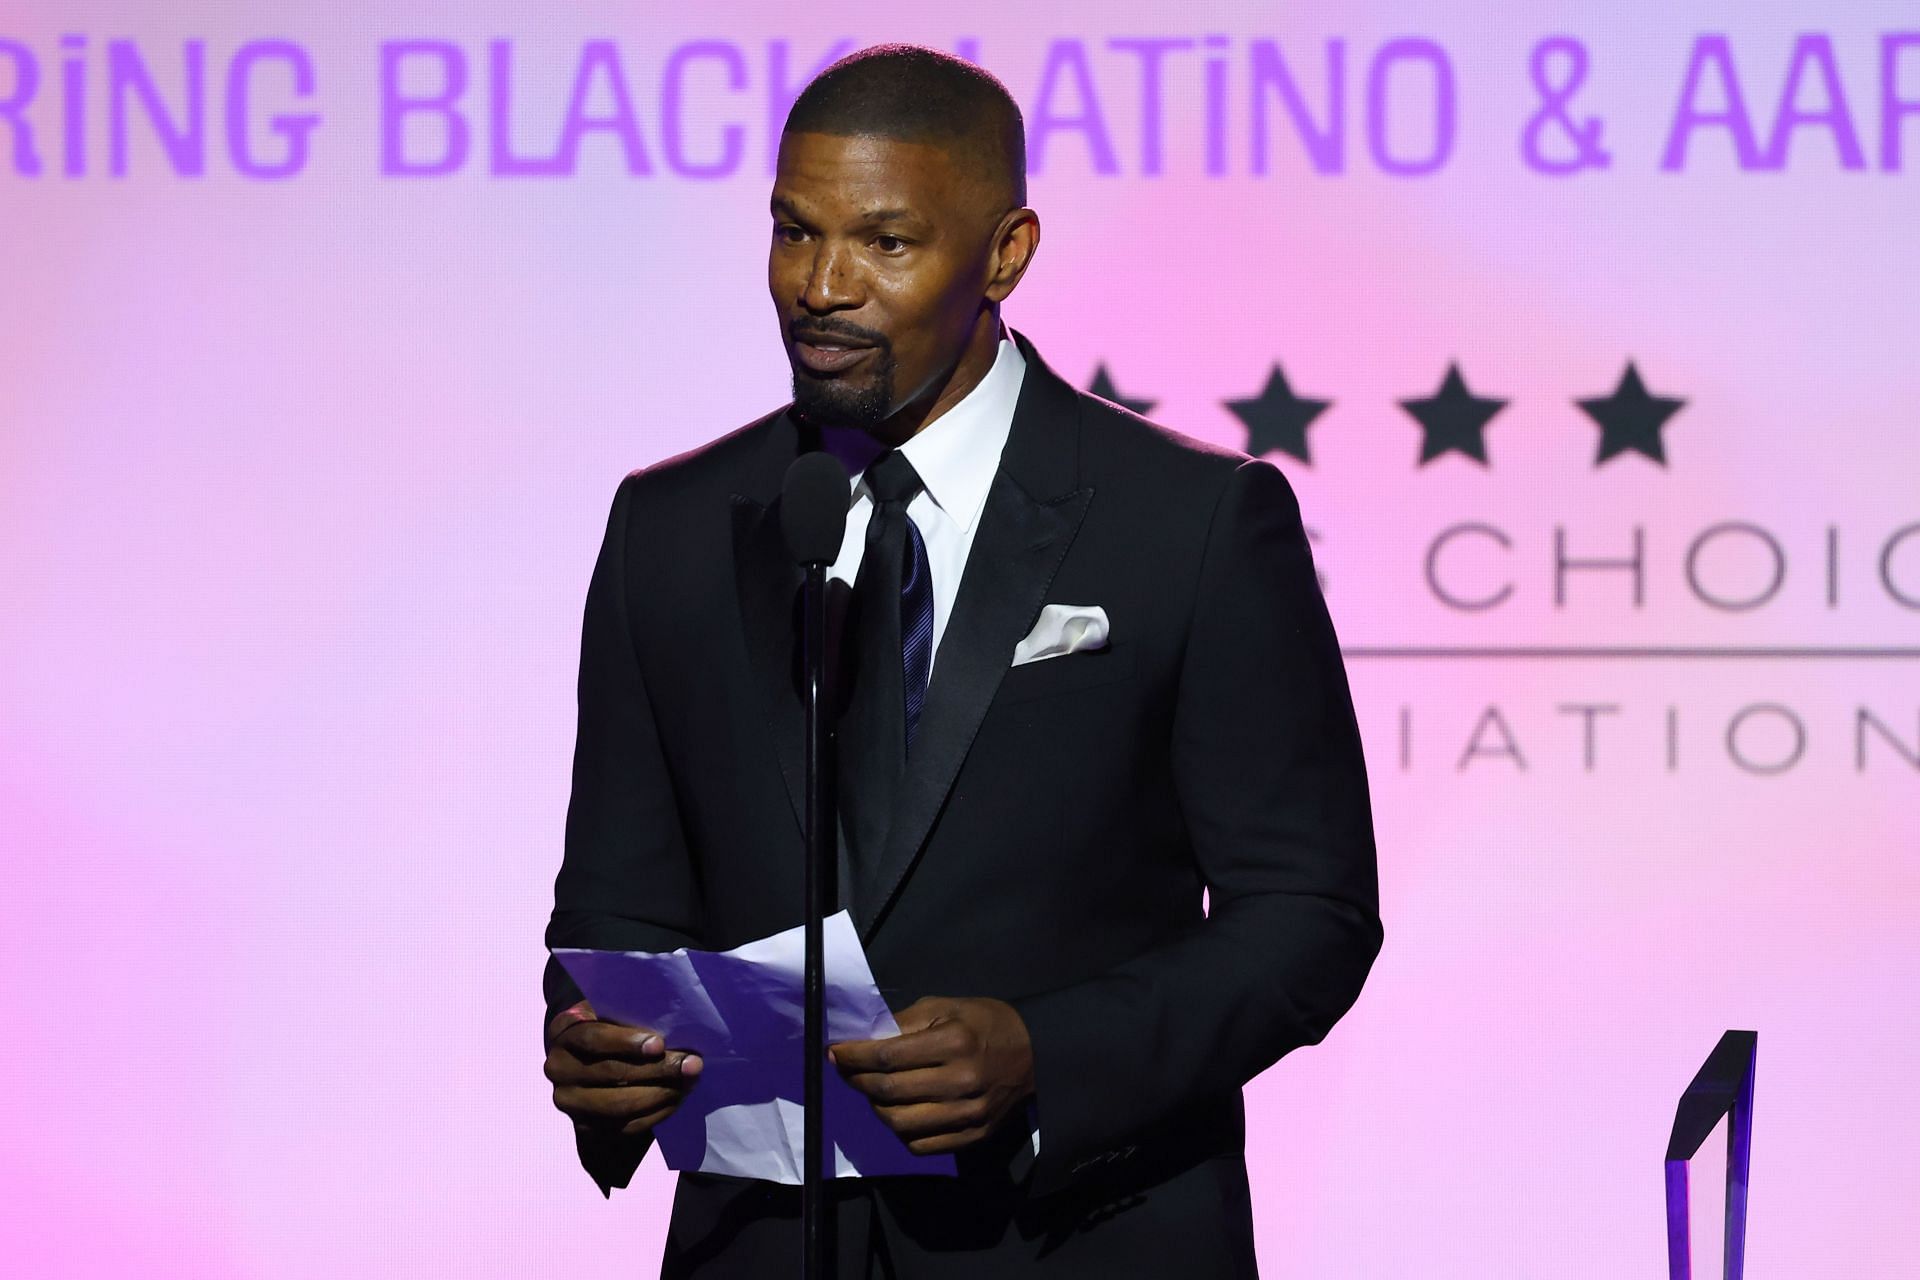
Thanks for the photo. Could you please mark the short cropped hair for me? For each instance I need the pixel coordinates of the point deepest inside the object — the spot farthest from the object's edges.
(911, 93)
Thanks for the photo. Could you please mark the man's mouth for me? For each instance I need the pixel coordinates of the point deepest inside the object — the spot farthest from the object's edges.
(829, 354)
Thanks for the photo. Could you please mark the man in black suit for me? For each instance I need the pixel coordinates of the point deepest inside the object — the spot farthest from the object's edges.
(1119, 688)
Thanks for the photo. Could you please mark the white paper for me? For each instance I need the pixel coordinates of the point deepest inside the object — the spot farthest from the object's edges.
(742, 1011)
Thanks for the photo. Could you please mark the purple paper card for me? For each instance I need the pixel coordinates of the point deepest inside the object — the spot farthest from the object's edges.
(741, 1010)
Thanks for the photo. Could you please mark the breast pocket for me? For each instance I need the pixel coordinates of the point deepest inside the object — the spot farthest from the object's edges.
(1070, 672)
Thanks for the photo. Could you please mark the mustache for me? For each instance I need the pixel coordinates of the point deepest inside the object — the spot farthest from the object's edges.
(835, 329)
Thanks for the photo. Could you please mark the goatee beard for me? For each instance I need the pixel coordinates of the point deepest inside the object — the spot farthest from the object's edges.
(832, 402)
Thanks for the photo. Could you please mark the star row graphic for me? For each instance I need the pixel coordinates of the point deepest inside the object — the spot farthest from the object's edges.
(1452, 419)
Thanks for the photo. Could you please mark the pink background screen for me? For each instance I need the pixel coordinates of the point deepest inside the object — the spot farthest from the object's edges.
(311, 410)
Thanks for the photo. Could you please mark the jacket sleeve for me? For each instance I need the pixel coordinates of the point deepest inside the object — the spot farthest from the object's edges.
(626, 882)
(1270, 778)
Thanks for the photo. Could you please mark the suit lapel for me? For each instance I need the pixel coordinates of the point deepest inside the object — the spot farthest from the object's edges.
(768, 583)
(1032, 513)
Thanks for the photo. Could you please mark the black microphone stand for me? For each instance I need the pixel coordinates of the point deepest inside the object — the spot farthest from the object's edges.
(813, 519)
(822, 862)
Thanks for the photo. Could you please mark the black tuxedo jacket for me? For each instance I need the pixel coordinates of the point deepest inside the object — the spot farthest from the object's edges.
(1058, 825)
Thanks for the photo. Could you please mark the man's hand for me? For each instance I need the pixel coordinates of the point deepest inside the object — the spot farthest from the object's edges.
(946, 1080)
(615, 1079)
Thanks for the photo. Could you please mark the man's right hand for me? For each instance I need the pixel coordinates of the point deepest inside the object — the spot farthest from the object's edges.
(616, 1079)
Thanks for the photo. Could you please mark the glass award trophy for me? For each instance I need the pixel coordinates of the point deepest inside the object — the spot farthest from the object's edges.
(1723, 1087)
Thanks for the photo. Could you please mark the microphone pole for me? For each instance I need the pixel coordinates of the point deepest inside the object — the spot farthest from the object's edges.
(813, 516)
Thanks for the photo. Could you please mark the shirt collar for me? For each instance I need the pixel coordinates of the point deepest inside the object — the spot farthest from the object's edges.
(957, 453)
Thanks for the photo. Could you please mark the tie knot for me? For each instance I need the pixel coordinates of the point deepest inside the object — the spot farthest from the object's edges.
(892, 479)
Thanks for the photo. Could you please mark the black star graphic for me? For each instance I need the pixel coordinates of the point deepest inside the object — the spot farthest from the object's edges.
(1453, 419)
(1631, 419)
(1277, 418)
(1103, 387)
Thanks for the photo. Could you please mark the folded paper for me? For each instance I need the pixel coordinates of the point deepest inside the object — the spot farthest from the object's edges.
(742, 1011)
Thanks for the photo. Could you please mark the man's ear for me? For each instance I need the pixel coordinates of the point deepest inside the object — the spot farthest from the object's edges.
(1015, 241)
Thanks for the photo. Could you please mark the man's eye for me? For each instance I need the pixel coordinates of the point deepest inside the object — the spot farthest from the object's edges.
(780, 232)
(896, 243)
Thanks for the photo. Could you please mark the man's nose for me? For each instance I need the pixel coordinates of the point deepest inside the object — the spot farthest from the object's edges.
(831, 279)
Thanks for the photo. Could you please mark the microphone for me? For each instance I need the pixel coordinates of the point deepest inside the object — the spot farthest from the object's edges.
(813, 507)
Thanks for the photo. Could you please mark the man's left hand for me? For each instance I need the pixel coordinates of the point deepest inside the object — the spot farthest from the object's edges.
(956, 1068)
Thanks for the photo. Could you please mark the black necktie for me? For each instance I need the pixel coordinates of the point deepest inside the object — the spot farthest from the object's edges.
(893, 638)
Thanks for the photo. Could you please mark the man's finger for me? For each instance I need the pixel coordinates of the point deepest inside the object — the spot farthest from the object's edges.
(928, 1048)
(923, 1084)
(598, 1039)
(563, 1068)
(923, 1013)
(930, 1119)
(940, 1144)
(617, 1104)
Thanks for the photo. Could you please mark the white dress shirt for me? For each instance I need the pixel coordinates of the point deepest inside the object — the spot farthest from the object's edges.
(956, 456)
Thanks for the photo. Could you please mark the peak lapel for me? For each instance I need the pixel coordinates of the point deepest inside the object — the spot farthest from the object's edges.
(1032, 513)
(768, 583)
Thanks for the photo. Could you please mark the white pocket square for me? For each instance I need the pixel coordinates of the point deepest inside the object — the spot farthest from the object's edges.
(1063, 629)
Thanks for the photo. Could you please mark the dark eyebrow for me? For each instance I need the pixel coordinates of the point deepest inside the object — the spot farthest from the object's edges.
(868, 217)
